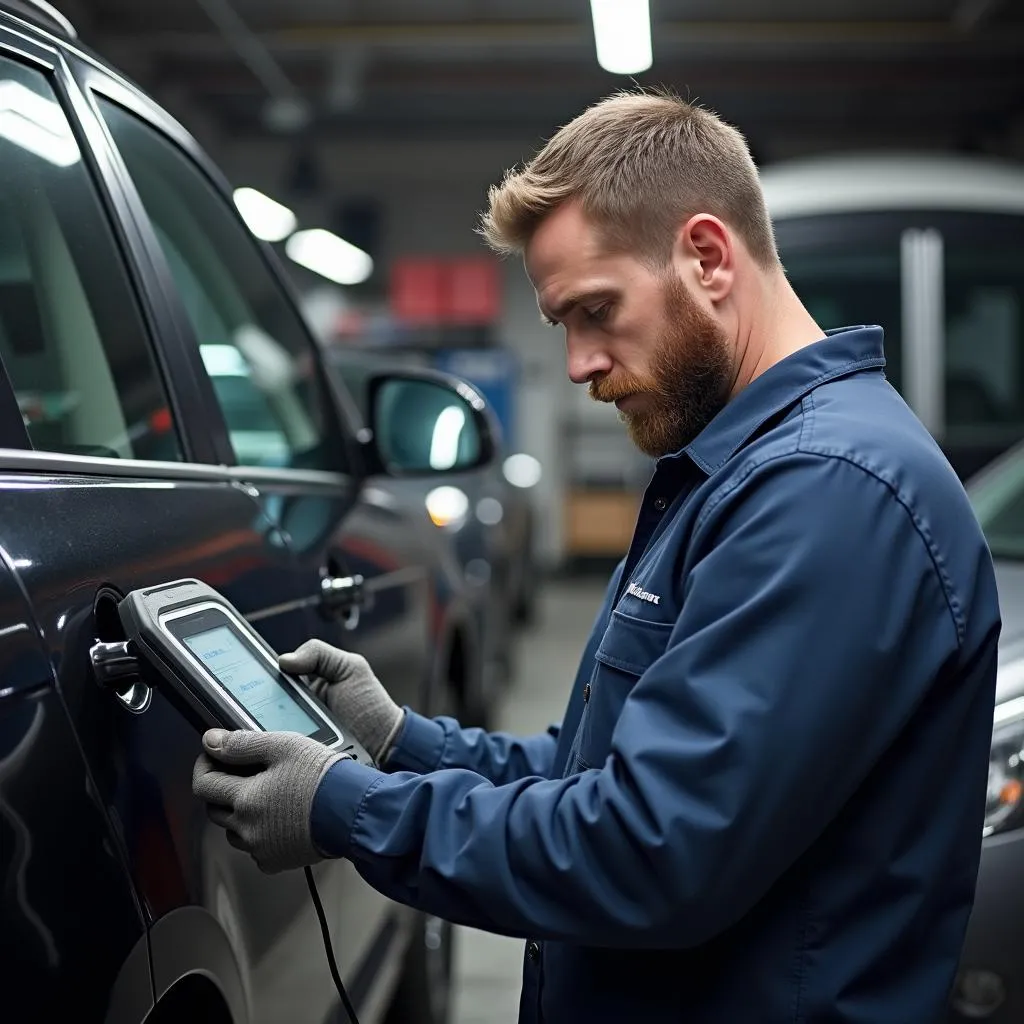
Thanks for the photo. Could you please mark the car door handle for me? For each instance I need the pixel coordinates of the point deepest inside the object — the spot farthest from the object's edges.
(342, 596)
(116, 668)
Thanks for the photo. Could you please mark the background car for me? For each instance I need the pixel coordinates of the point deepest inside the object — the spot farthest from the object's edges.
(487, 513)
(931, 247)
(989, 985)
(164, 413)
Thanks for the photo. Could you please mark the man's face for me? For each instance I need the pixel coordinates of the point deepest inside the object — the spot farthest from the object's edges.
(635, 335)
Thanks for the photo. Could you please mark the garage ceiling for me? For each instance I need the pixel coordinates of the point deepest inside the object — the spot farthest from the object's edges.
(879, 72)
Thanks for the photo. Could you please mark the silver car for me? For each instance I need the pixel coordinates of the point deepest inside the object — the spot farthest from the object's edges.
(990, 985)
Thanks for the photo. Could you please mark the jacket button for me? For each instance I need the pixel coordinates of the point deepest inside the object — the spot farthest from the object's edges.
(533, 951)
(660, 504)
(586, 693)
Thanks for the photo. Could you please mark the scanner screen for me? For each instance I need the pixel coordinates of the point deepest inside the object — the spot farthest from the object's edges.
(246, 677)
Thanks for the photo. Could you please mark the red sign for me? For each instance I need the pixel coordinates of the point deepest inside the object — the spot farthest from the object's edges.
(417, 291)
(474, 295)
(462, 290)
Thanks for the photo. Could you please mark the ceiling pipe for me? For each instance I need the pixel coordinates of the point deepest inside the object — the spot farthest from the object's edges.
(287, 110)
(551, 36)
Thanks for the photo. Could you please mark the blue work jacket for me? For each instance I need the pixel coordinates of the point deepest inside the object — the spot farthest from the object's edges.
(765, 801)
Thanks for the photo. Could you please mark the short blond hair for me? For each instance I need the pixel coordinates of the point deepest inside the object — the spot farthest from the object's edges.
(640, 164)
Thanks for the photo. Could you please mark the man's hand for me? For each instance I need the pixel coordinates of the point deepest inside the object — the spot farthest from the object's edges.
(259, 786)
(346, 684)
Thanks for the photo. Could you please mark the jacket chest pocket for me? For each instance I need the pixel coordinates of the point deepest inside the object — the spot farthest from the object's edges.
(629, 646)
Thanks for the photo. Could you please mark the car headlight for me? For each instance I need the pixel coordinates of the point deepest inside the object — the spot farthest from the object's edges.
(447, 507)
(1004, 807)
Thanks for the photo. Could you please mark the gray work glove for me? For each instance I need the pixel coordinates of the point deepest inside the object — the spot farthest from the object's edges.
(357, 699)
(267, 812)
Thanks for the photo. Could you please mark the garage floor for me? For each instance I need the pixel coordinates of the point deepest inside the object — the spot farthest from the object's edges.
(489, 967)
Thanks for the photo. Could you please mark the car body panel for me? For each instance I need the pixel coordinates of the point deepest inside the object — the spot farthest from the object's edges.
(125, 534)
(995, 934)
(55, 846)
(129, 872)
(841, 183)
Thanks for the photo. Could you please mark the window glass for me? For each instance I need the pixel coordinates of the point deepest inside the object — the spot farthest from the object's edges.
(998, 500)
(71, 338)
(984, 289)
(850, 285)
(252, 342)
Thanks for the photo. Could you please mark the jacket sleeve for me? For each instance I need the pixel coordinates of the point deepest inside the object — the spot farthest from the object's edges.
(813, 622)
(427, 744)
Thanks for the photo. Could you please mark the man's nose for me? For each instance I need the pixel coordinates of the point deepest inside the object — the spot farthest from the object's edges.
(585, 362)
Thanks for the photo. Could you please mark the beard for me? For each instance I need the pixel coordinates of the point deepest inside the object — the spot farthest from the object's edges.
(688, 383)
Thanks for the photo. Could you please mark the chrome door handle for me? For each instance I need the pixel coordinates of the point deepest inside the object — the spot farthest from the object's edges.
(342, 596)
(116, 668)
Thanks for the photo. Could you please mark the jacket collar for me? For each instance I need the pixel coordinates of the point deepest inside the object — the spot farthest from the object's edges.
(841, 352)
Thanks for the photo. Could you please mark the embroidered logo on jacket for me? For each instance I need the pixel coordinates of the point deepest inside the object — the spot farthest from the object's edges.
(643, 595)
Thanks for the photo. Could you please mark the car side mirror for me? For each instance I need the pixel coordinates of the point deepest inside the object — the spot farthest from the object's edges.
(427, 423)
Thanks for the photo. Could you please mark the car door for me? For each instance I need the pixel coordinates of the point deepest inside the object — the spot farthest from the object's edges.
(69, 913)
(361, 579)
(103, 491)
(286, 434)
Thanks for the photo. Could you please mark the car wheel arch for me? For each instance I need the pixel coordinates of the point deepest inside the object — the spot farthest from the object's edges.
(192, 964)
(197, 998)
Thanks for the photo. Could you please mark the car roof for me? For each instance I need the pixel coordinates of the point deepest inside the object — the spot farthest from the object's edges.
(844, 183)
(42, 14)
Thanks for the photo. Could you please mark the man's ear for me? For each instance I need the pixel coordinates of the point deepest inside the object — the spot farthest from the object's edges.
(704, 255)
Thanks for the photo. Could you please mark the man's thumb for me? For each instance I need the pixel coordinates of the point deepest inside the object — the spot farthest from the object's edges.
(314, 657)
(241, 746)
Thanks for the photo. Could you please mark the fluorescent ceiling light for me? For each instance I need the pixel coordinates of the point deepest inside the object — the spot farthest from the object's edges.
(265, 217)
(622, 32)
(444, 444)
(330, 256)
(36, 124)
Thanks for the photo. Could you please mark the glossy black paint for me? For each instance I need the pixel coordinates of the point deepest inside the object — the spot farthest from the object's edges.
(56, 848)
(117, 892)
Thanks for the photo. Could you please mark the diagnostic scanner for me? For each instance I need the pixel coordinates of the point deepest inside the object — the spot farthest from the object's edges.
(218, 671)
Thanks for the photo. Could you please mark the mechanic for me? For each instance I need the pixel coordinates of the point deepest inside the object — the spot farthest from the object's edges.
(765, 799)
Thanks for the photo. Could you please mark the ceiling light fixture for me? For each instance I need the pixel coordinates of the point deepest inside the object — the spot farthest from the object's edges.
(329, 256)
(622, 34)
(265, 217)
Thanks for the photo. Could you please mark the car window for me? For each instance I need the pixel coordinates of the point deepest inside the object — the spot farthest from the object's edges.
(72, 340)
(984, 318)
(998, 500)
(252, 342)
(849, 284)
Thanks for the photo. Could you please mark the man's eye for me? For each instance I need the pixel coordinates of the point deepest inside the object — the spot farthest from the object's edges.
(598, 315)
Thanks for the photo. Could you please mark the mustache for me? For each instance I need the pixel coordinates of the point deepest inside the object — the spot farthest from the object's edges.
(611, 389)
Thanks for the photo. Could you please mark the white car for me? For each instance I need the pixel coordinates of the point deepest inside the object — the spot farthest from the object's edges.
(931, 247)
